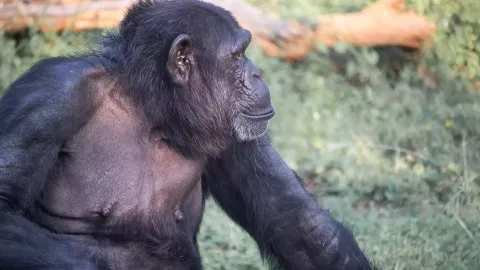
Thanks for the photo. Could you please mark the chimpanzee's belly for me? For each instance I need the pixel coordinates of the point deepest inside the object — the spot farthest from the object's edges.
(115, 179)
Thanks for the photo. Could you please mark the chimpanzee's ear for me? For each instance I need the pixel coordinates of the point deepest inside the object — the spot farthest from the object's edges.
(180, 58)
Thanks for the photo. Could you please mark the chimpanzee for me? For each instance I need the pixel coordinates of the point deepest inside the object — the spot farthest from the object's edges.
(106, 159)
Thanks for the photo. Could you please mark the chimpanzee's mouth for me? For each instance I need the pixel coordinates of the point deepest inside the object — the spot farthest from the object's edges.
(260, 116)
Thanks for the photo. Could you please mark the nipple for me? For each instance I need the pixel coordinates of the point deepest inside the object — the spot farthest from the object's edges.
(106, 210)
(178, 215)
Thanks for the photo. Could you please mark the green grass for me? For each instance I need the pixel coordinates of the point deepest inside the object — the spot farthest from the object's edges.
(402, 241)
(398, 161)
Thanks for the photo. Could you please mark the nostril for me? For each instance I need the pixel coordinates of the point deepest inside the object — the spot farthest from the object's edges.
(257, 74)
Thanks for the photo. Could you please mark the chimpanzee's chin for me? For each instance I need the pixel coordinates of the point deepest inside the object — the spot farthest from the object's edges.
(247, 129)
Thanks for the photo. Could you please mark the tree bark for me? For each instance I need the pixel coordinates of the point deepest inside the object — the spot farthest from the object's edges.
(383, 23)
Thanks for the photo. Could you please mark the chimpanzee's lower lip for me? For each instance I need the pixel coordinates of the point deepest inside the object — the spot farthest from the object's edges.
(263, 116)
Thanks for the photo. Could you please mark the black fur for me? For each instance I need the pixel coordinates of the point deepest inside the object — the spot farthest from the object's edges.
(210, 117)
(30, 138)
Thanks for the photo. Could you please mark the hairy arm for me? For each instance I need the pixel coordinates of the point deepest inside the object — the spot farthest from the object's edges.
(262, 194)
(38, 112)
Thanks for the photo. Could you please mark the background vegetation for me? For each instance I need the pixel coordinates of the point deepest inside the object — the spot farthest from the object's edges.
(395, 158)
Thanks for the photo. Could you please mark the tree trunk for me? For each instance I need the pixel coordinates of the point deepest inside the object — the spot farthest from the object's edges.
(383, 23)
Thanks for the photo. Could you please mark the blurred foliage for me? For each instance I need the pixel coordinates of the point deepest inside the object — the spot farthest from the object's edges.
(398, 160)
(390, 141)
(456, 42)
(20, 50)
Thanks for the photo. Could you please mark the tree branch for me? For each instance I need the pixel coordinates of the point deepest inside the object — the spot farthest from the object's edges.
(383, 23)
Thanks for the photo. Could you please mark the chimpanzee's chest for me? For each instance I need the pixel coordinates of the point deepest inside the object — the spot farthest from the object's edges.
(114, 178)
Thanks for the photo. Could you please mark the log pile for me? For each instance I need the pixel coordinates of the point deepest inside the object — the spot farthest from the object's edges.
(385, 22)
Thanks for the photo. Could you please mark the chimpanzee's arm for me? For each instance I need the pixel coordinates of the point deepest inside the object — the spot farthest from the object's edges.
(262, 194)
(39, 112)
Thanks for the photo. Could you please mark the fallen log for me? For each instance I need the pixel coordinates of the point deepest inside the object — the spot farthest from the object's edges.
(385, 22)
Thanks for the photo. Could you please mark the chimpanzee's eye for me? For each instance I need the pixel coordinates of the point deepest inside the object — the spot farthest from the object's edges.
(238, 56)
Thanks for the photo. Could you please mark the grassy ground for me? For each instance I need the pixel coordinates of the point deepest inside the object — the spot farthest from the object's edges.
(395, 159)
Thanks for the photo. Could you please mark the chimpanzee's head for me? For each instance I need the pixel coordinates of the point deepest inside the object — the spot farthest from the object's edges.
(185, 65)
